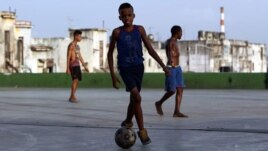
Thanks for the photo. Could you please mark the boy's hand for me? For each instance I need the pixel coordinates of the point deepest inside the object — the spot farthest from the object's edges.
(167, 72)
(68, 71)
(86, 69)
(115, 81)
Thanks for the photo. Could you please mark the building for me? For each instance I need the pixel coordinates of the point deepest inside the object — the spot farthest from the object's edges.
(19, 52)
(15, 37)
(211, 52)
(50, 54)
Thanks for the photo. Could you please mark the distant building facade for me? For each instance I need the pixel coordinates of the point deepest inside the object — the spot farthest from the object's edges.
(50, 54)
(15, 37)
(212, 52)
(19, 52)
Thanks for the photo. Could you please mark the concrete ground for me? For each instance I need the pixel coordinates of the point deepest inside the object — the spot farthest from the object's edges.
(219, 120)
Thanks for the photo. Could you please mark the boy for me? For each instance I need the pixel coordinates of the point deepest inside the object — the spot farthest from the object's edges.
(174, 82)
(74, 58)
(129, 40)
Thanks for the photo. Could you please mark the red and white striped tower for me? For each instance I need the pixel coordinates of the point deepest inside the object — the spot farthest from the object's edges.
(222, 20)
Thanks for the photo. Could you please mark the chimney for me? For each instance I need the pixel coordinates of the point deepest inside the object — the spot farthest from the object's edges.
(222, 20)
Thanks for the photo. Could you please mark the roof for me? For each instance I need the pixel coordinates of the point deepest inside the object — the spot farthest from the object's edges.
(41, 48)
(8, 15)
(23, 24)
(89, 29)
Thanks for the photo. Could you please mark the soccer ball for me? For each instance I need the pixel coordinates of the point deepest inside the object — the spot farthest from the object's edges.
(125, 137)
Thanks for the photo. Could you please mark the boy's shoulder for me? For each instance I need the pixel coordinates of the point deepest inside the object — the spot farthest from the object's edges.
(71, 45)
(122, 27)
(141, 30)
(117, 30)
(140, 27)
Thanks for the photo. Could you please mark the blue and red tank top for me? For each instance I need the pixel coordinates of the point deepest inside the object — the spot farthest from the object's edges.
(129, 47)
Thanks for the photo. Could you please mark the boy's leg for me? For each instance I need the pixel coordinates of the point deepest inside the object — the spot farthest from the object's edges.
(76, 76)
(142, 133)
(179, 86)
(130, 109)
(158, 104)
(137, 107)
(73, 90)
(130, 113)
(178, 100)
(170, 90)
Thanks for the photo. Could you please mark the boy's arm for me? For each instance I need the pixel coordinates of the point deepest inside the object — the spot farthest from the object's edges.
(82, 61)
(151, 50)
(170, 51)
(68, 58)
(110, 57)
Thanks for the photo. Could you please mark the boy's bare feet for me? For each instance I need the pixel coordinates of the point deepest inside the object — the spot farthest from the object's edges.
(180, 115)
(73, 100)
(158, 108)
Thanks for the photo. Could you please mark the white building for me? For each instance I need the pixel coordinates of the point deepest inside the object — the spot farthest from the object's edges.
(50, 54)
(150, 65)
(19, 52)
(15, 37)
(213, 53)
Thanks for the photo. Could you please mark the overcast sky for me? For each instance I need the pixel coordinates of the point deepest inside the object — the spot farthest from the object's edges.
(244, 19)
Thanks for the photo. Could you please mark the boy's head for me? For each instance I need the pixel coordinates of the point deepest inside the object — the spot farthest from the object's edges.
(126, 14)
(176, 30)
(125, 5)
(77, 35)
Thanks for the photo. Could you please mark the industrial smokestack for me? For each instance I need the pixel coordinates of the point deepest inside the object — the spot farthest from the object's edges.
(222, 20)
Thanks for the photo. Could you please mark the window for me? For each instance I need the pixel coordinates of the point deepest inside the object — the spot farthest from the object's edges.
(101, 53)
(261, 53)
(20, 50)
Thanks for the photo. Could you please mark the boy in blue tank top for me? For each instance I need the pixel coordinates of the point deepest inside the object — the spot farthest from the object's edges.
(128, 39)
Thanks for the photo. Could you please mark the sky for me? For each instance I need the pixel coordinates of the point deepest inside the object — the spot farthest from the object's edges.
(244, 19)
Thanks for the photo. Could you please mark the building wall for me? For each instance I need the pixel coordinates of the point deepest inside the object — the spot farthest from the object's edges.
(92, 45)
(93, 48)
(150, 65)
(7, 22)
(23, 33)
(220, 55)
(10, 59)
(195, 56)
(210, 53)
(58, 54)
